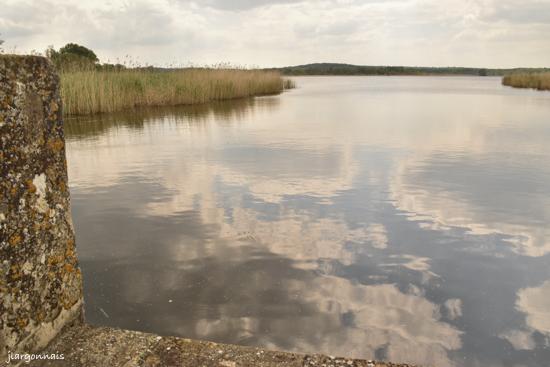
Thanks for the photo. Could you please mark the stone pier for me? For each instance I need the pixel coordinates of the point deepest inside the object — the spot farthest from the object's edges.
(40, 280)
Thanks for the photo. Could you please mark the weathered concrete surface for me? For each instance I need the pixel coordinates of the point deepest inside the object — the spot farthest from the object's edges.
(86, 346)
(40, 281)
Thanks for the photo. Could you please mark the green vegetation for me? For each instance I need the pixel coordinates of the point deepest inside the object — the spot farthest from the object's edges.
(347, 69)
(88, 87)
(72, 57)
(88, 92)
(540, 81)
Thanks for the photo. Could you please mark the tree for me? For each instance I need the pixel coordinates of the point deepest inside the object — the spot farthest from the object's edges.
(1, 43)
(78, 50)
(72, 57)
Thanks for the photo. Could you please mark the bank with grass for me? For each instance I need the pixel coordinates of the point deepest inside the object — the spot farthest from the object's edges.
(540, 81)
(96, 91)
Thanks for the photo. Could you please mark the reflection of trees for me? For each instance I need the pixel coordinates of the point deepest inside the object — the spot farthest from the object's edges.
(80, 127)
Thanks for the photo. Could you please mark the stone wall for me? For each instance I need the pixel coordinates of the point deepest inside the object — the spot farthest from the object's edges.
(40, 280)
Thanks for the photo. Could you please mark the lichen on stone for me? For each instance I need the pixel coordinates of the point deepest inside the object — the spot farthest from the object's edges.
(40, 280)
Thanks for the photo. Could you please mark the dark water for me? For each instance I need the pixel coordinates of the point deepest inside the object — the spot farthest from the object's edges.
(400, 218)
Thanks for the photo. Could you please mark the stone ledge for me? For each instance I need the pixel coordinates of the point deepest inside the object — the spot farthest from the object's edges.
(88, 346)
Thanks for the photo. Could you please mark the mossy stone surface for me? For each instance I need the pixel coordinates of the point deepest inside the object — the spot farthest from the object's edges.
(40, 280)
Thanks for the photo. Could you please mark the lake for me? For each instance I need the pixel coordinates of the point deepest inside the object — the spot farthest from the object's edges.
(396, 218)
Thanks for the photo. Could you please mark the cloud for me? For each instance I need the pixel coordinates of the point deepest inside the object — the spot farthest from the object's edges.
(520, 340)
(453, 307)
(528, 12)
(29, 19)
(292, 299)
(137, 24)
(535, 303)
(237, 5)
(430, 194)
(435, 184)
(285, 32)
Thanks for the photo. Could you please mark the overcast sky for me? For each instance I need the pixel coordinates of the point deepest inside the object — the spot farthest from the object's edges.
(491, 33)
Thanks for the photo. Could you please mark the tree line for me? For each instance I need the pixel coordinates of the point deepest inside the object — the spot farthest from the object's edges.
(347, 69)
(74, 57)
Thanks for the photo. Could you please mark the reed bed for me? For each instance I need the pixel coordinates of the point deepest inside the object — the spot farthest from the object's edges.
(540, 81)
(96, 91)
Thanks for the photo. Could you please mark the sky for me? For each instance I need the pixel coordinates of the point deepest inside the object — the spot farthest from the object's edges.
(262, 33)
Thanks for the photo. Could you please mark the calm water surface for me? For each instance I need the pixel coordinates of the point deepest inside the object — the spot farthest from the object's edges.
(400, 218)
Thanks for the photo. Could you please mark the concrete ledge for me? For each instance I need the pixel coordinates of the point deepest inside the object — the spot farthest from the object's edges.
(88, 346)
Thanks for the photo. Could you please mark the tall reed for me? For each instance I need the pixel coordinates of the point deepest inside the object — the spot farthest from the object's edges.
(540, 81)
(95, 91)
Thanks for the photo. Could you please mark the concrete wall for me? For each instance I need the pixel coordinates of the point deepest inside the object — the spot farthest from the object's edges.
(40, 280)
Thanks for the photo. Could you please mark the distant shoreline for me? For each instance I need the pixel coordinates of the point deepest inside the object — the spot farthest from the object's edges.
(396, 75)
(320, 69)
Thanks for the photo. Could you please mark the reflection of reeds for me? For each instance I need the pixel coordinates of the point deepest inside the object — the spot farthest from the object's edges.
(540, 81)
(87, 126)
(289, 84)
(94, 91)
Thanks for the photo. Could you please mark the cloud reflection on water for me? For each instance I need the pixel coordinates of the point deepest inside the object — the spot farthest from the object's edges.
(268, 225)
